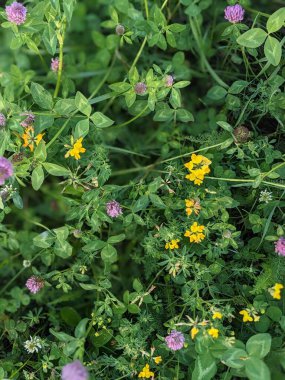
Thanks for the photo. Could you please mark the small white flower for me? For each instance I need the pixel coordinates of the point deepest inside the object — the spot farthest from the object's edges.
(33, 344)
(265, 196)
(26, 263)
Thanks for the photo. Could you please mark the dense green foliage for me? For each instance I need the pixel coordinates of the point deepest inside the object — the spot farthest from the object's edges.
(114, 287)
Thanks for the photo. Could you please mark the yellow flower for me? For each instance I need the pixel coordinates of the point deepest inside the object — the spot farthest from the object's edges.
(194, 331)
(157, 359)
(146, 373)
(213, 332)
(275, 291)
(246, 316)
(75, 148)
(217, 315)
(198, 168)
(30, 139)
(172, 244)
(192, 205)
(195, 233)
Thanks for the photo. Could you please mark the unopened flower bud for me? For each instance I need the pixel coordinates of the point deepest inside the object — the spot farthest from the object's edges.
(120, 29)
(242, 134)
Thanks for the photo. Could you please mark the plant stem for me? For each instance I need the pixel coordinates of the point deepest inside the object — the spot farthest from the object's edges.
(60, 65)
(209, 68)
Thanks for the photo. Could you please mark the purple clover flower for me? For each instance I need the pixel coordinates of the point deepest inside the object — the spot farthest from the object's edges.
(2, 120)
(280, 246)
(16, 13)
(54, 65)
(6, 170)
(29, 120)
(234, 13)
(35, 284)
(140, 88)
(175, 340)
(169, 80)
(114, 209)
(74, 371)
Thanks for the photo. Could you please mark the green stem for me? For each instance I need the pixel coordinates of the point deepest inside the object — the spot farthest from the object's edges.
(131, 120)
(273, 170)
(18, 274)
(60, 65)
(59, 132)
(189, 153)
(257, 12)
(247, 181)
(139, 53)
(146, 9)
(209, 68)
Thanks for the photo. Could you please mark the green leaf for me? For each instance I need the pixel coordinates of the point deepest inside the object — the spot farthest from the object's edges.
(238, 86)
(41, 96)
(56, 170)
(256, 369)
(175, 98)
(259, 345)
(81, 129)
(273, 50)
(40, 151)
(184, 115)
(49, 39)
(103, 338)
(65, 107)
(61, 336)
(156, 201)
(62, 249)
(100, 120)
(120, 87)
(82, 104)
(80, 329)
(176, 28)
(253, 38)
(116, 239)
(165, 114)
(89, 286)
(133, 309)
(141, 203)
(109, 254)
(234, 358)
(276, 21)
(274, 313)
(69, 316)
(216, 93)
(68, 7)
(38, 177)
(226, 126)
(137, 285)
(205, 367)
(61, 233)
(44, 240)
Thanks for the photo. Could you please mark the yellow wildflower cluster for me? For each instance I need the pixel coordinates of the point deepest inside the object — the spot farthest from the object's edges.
(249, 316)
(195, 233)
(192, 205)
(198, 168)
(30, 139)
(75, 149)
(172, 244)
(146, 373)
(275, 291)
